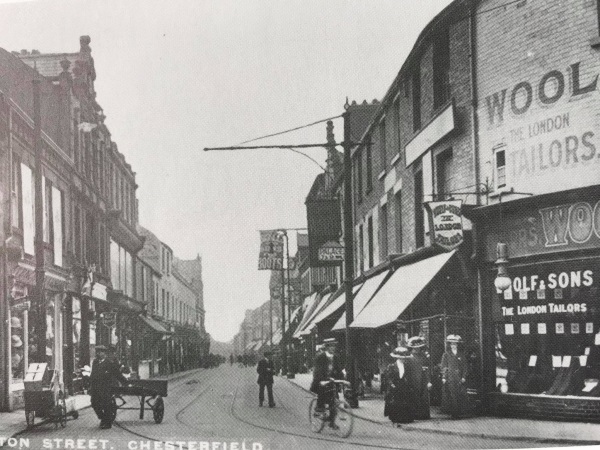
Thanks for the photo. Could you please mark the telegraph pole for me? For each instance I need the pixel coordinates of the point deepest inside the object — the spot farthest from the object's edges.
(349, 260)
(40, 273)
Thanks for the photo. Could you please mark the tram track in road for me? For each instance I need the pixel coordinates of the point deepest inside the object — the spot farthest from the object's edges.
(312, 436)
(177, 415)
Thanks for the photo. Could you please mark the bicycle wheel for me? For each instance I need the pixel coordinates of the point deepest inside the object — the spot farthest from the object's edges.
(158, 410)
(315, 418)
(343, 419)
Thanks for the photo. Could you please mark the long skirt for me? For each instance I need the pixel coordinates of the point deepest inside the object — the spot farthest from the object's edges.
(400, 405)
(455, 400)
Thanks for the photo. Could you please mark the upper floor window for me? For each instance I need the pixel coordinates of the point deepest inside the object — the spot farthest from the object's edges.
(396, 125)
(444, 174)
(398, 217)
(361, 248)
(15, 194)
(369, 173)
(500, 166)
(419, 211)
(416, 97)
(370, 240)
(384, 231)
(383, 144)
(441, 68)
(359, 181)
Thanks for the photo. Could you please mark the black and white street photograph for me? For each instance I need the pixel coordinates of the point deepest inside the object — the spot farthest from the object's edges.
(299, 224)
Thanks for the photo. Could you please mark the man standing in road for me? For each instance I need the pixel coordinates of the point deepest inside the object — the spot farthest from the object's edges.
(105, 375)
(265, 371)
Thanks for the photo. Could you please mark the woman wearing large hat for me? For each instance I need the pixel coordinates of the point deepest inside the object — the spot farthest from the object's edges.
(454, 373)
(403, 378)
(417, 346)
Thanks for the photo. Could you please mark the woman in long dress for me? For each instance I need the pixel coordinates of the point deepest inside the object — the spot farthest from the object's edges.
(454, 374)
(402, 378)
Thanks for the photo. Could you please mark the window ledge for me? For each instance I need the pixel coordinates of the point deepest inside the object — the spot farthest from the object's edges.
(381, 175)
(395, 159)
(595, 42)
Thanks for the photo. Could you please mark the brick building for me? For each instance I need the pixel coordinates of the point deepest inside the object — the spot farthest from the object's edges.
(539, 122)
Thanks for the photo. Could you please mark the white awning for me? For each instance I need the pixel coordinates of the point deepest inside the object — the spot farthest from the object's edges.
(338, 303)
(310, 323)
(295, 314)
(400, 290)
(363, 297)
(312, 303)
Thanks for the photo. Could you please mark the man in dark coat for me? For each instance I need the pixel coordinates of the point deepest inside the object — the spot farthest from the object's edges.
(105, 375)
(403, 385)
(421, 357)
(265, 371)
(327, 366)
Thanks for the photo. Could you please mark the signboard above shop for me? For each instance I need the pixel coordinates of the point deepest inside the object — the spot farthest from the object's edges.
(271, 250)
(445, 223)
(331, 251)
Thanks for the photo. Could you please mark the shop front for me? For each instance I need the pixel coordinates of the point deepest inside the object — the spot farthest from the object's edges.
(24, 327)
(542, 322)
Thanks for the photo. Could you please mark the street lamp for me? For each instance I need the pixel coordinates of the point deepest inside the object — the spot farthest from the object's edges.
(502, 281)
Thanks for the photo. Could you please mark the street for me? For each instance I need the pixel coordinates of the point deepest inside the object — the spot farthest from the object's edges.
(218, 409)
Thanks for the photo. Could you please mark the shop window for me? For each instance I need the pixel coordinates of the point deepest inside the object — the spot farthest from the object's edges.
(547, 337)
(57, 225)
(500, 166)
(77, 333)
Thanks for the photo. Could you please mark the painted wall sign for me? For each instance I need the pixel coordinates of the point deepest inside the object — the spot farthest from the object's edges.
(549, 128)
(569, 226)
(445, 223)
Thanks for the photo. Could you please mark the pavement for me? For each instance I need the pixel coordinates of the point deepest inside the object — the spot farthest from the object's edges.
(12, 423)
(371, 409)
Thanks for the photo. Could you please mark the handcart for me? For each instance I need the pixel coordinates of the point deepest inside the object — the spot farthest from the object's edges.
(44, 398)
(149, 393)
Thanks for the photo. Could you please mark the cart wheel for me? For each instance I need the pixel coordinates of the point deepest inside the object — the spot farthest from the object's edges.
(75, 415)
(29, 418)
(159, 410)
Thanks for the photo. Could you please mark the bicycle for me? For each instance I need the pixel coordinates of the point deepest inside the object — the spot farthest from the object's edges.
(343, 421)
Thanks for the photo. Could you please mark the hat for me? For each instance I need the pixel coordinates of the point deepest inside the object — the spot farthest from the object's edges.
(16, 341)
(329, 341)
(400, 352)
(416, 342)
(101, 347)
(454, 339)
(15, 322)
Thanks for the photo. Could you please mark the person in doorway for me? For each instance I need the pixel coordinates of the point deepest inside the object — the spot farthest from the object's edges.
(421, 357)
(265, 371)
(16, 359)
(105, 375)
(454, 376)
(325, 369)
(403, 386)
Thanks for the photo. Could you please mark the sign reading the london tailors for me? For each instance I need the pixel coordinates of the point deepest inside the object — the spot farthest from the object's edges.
(445, 223)
(547, 122)
(271, 250)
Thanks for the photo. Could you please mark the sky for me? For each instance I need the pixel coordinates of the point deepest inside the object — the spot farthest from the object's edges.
(175, 77)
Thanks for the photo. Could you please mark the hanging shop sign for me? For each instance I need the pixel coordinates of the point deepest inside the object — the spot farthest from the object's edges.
(563, 227)
(445, 223)
(551, 291)
(323, 219)
(331, 251)
(96, 291)
(271, 250)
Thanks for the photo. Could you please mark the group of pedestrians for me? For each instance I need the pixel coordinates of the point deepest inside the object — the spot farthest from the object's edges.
(408, 382)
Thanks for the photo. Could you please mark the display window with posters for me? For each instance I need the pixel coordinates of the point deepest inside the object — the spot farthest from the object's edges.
(547, 329)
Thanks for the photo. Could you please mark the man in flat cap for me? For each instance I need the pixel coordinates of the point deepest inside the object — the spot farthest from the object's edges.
(105, 375)
(265, 371)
